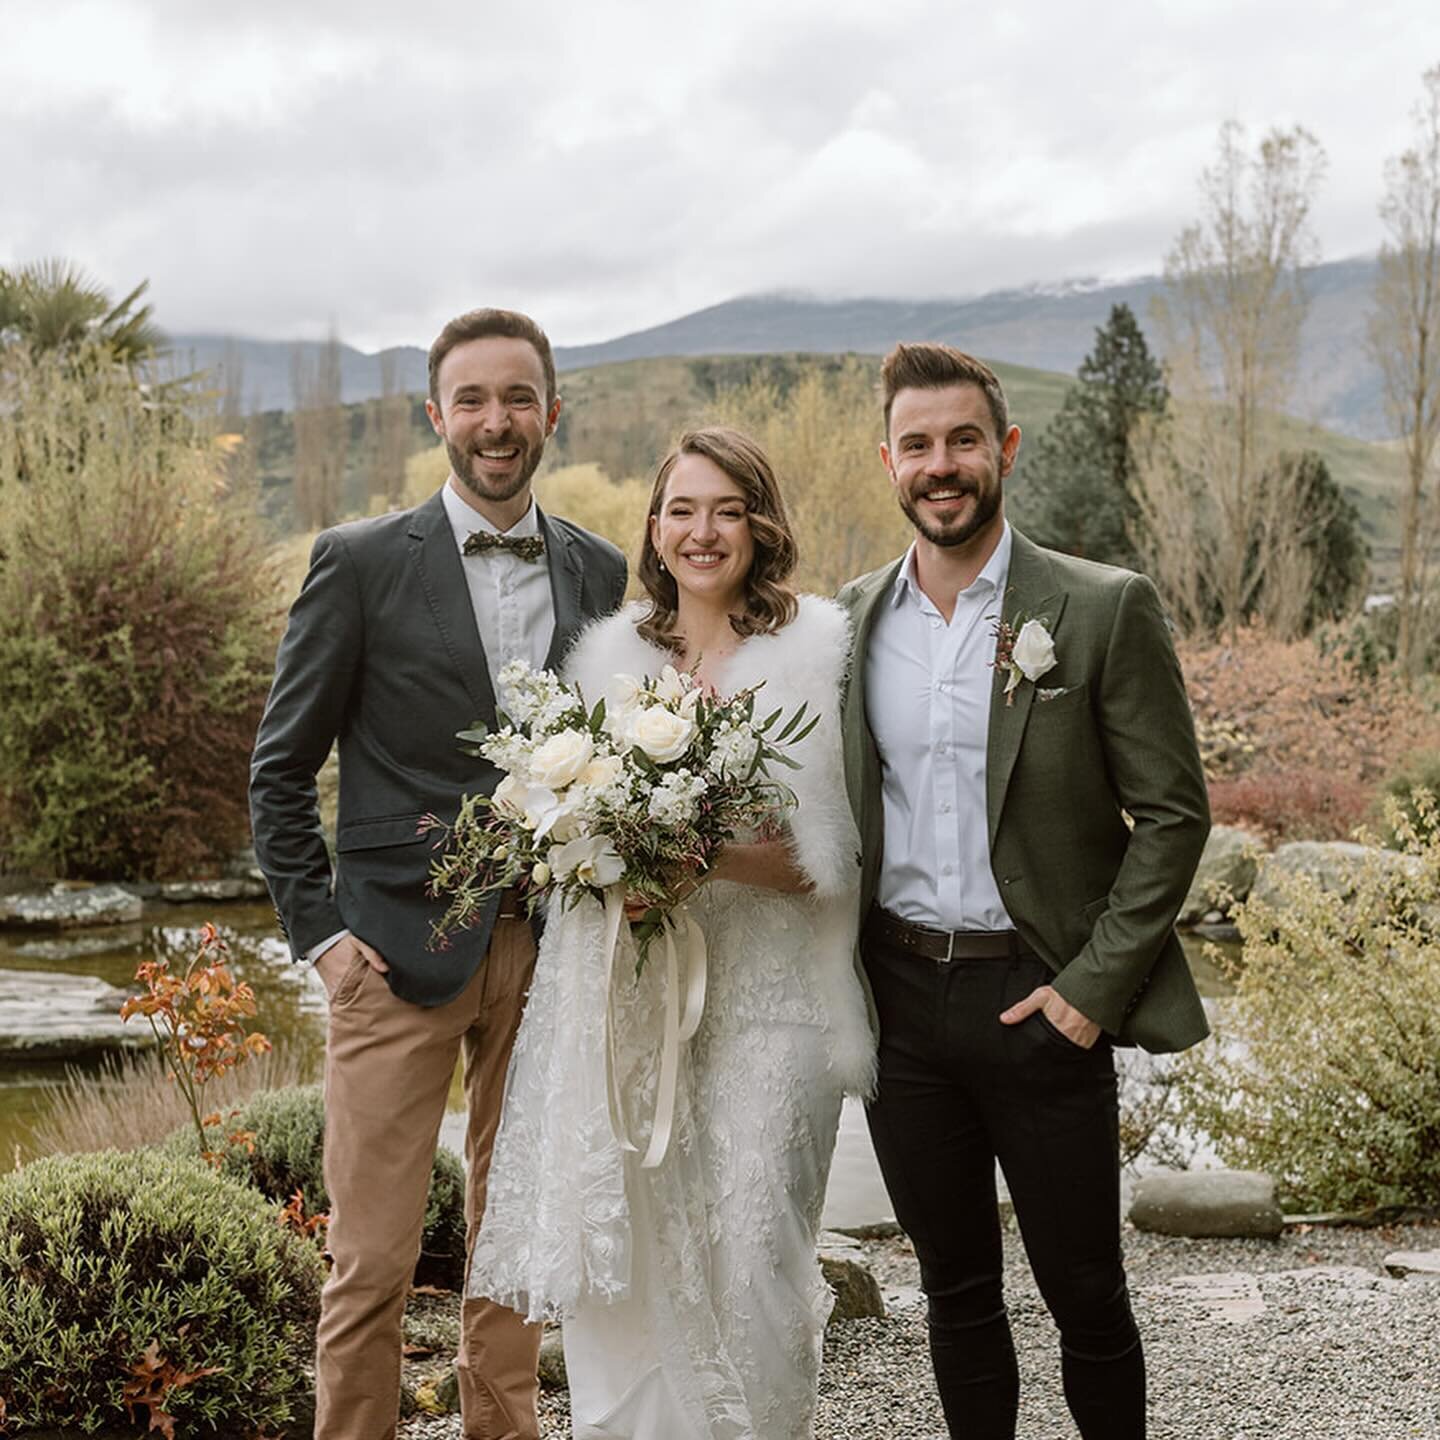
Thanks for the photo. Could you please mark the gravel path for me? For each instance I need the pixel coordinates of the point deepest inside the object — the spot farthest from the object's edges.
(1305, 1338)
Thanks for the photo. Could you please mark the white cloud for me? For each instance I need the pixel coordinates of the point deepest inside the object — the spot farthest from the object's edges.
(278, 168)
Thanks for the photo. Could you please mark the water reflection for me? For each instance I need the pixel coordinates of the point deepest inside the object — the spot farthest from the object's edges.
(289, 999)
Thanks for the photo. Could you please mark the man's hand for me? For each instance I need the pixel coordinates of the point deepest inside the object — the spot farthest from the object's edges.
(1059, 1012)
(337, 960)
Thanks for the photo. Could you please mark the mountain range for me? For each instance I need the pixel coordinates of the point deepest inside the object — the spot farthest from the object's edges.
(1046, 327)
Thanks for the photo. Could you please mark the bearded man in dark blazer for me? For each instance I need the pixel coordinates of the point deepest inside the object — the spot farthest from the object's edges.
(394, 644)
(1023, 770)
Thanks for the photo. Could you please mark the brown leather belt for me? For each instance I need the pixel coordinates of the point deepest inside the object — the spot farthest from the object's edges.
(944, 945)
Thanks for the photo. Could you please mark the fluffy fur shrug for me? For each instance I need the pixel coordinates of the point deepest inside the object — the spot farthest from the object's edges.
(805, 661)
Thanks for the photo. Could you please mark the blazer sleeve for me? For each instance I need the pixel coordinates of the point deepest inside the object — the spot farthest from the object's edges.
(1148, 738)
(315, 672)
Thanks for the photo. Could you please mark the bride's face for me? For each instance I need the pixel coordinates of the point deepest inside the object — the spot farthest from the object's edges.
(702, 532)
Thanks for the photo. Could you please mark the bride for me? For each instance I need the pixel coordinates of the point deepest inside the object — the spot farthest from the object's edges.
(693, 1304)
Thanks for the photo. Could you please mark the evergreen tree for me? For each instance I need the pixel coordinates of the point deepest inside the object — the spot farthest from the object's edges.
(1078, 493)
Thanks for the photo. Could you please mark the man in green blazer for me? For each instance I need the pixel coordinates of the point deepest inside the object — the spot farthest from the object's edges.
(1023, 770)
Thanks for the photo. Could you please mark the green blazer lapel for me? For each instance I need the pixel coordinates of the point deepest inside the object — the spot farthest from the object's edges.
(862, 768)
(1031, 593)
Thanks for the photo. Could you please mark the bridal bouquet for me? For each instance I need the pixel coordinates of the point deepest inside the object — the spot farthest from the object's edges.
(641, 790)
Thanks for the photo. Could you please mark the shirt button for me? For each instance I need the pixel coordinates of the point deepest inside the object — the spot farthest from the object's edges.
(947, 869)
(944, 807)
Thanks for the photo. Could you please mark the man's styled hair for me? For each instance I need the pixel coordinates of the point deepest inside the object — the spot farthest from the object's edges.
(479, 325)
(931, 366)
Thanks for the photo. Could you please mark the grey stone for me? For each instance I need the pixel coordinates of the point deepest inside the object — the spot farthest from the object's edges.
(62, 907)
(447, 1392)
(1228, 864)
(1404, 1263)
(846, 1271)
(1333, 864)
(1231, 1296)
(1207, 1203)
(49, 1016)
(552, 1361)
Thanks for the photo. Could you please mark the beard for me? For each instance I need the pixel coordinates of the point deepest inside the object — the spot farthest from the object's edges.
(948, 535)
(484, 486)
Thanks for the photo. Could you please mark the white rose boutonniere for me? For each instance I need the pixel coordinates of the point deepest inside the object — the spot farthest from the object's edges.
(1025, 653)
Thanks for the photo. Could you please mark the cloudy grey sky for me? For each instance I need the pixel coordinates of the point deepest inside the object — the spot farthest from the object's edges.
(276, 168)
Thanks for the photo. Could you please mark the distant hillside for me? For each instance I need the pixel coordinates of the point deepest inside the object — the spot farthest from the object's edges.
(1044, 328)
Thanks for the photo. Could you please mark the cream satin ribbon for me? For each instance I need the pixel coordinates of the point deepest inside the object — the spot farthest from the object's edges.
(677, 1028)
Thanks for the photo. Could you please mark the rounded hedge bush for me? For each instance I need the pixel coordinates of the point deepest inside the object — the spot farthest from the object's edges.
(103, 1256)
(289, 1128)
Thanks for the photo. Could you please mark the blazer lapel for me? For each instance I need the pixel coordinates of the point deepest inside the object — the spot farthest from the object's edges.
(862, 766)
(565, 587)
(437, 563)
(1031, 593)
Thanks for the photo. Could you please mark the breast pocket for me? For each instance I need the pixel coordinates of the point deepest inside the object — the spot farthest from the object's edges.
(1068, 701)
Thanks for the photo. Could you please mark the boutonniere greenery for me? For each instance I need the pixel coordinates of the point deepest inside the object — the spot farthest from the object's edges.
(1024, 650)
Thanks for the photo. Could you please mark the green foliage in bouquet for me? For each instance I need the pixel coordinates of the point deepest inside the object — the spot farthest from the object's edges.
(1325, 1068)
(138, 1287)
(287, 1128)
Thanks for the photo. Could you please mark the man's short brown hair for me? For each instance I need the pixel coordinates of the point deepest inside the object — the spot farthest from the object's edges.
(930, 366)
(478, 325)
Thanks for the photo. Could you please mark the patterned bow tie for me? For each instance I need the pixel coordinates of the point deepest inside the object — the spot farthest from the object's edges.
(524, 547)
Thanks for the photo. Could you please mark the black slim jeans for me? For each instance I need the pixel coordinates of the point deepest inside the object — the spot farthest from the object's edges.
(959, 1090)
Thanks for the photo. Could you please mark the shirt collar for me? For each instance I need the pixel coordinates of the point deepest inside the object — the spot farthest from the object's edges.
(992, 577)
(465, 521)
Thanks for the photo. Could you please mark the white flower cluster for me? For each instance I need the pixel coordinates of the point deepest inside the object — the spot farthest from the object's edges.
(732, 751)
(675, 800)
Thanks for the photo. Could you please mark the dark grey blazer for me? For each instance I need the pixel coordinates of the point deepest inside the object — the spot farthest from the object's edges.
(382, 654)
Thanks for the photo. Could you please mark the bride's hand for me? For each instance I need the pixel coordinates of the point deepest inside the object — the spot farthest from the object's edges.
(637, 907)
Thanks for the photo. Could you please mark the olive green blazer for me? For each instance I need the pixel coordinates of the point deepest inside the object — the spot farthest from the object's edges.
(1095, 796)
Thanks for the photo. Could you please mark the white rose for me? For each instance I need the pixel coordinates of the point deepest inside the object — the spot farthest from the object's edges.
(561, 758)
(509, 797)
(601, 773)
(660, 733)
(591, 859)
(1034, 650)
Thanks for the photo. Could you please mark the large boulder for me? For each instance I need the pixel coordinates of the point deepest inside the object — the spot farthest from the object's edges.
(49, 1016)
(1422, 1263)
(857, 1292)
(1202, 1204)
(1228, 865)
(1332, 864)
(61, 907)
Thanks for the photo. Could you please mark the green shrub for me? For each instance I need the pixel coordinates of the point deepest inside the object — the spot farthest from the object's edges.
(104, 1256)
(289, 1130)
(1325, 1068)
(1419, 771)
(137, 627)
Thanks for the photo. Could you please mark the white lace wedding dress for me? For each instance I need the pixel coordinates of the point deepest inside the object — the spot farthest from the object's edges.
(692, 1301)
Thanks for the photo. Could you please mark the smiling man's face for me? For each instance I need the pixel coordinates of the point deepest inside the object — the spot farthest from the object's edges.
(493, 417)
(947, 463)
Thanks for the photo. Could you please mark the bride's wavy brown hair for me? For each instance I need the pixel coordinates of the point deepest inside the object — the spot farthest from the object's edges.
(769, 600)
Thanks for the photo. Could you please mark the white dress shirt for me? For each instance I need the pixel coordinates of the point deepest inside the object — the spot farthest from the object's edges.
(927, 693)
(514, 609)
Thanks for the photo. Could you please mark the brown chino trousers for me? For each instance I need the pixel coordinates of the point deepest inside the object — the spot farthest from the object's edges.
(388, 1066)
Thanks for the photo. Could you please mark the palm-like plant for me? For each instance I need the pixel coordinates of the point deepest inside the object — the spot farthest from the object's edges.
(52, 305)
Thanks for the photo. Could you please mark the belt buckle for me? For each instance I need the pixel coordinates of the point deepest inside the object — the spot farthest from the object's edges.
(949, 947)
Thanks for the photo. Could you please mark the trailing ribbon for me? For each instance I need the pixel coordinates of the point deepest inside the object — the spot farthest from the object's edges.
(677, 1026)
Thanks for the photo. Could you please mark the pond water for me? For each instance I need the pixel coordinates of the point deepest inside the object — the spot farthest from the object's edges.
(291, 1006)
